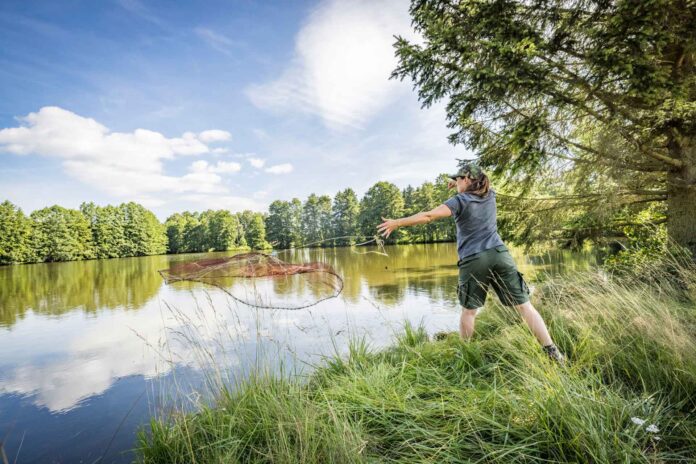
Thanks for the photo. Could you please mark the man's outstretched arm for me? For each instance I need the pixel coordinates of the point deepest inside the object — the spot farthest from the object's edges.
(390, 225)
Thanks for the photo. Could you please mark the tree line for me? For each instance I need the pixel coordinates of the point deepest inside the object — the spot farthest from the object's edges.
(95, 232)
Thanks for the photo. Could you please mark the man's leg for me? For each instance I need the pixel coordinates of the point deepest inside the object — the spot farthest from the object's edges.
(466, 323)
(535, 323)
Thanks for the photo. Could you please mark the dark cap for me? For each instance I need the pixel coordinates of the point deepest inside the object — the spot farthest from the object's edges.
(467, 169)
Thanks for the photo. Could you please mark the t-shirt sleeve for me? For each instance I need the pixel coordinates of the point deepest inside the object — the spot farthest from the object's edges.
(454, 205)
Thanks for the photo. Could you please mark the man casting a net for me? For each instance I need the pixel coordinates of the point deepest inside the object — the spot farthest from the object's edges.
(483, 258)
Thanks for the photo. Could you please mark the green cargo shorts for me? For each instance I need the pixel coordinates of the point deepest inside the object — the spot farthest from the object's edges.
(491, 267)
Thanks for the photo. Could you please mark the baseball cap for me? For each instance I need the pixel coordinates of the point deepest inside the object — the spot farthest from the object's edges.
(467, 169)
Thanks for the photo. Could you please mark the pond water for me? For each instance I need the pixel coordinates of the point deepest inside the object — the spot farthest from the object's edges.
(90, 350)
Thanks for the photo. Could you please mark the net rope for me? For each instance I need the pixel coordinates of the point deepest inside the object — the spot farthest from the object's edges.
(233, 274)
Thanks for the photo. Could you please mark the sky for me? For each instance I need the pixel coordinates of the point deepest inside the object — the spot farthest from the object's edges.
(208, 105)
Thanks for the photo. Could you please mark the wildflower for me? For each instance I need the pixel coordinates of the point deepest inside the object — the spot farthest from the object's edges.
(637, 420)
(656, 438)
(652, 428)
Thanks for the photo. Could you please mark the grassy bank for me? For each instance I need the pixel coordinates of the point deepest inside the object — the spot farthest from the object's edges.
(632, 346)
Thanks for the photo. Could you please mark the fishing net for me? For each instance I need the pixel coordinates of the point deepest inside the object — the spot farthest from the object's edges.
(261, 280)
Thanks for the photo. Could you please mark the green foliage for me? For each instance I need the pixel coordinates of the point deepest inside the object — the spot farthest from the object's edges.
(280, 224)
(211, 230)
(223, 229)
(495, 399)
(254, 228)
(175, 226)
(143, 233)
(316, 220)
(588, 89)
(383, 199)
(60, 234)
(345, 212)
(194, 234)
(108, 229)
(646, 243)
(15, 234)
(424, 198)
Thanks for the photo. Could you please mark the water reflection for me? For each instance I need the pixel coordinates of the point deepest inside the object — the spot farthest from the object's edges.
(57, 288)
(130, 283)
(60, 364)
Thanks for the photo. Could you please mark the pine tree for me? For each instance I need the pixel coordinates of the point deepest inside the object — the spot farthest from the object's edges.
(540, 88)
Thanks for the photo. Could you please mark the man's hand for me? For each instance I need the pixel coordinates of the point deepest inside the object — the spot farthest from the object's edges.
(387, 227)
(451, 183)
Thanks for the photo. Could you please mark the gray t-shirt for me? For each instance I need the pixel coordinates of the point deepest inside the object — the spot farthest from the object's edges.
(475, 218)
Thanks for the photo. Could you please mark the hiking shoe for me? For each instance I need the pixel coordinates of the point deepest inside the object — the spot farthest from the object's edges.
(439, 336)
(554, 353)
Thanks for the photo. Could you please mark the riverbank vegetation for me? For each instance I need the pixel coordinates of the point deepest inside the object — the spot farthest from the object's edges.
(62, 234)
(627, 394)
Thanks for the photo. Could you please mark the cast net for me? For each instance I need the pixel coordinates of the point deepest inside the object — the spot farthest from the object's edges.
(261, 280)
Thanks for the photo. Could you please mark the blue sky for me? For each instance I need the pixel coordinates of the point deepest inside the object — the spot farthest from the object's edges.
(216, 104)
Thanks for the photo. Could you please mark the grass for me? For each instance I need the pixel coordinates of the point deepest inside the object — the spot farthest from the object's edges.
(631, 341)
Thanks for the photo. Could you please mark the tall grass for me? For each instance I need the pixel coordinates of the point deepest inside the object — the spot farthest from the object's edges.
(631, 342)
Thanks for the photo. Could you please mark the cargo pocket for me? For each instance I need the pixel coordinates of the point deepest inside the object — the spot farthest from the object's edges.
(463, 292)
(523, 284)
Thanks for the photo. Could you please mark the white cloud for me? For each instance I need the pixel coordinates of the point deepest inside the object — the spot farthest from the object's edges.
(343, 59)
(227, 167)
(257, 162)
(214, 135)
(284, 168)
(220, 151)
(122, 164)
(221, 167)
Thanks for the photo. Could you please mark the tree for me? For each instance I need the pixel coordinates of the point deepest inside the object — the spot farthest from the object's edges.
(175, 225)
(605, 87)
(316, 220)
(344, 215)
(382, 200)
(425, 199)
(254, 229)
(60, 234)
(108, 233)
(296, 214)
(279, 224)
(222, 230)
(143, 233)
(194, 233)
(15, 234)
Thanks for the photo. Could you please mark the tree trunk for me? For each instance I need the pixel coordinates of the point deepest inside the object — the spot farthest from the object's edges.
(681, 201)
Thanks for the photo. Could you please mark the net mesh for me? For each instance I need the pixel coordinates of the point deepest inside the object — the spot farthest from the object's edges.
(261, 280)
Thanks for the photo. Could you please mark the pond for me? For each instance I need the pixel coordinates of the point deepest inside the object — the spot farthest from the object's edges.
(90, 350)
